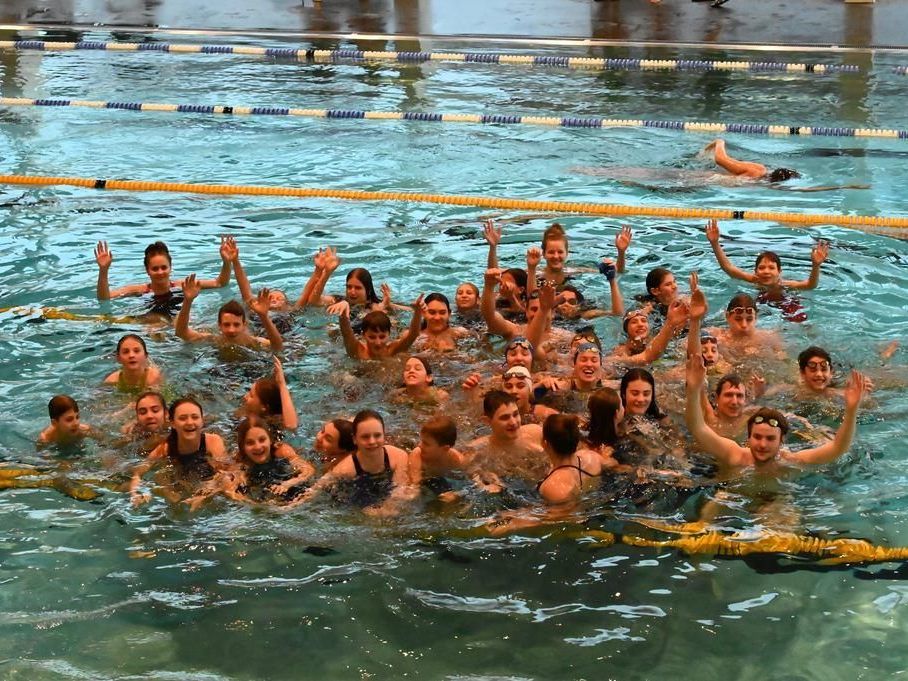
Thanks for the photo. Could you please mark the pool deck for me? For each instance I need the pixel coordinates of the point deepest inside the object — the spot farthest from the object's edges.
(739, 22)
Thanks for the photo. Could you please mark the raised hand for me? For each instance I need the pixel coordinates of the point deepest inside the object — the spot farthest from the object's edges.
(491, 233)
(696, 370)
(678, 314)
(698, 305)
(341, 309)
(229, 250)
(854, 390)
(820, 252)
(546, 296)
(471, 381)
(607, 267)
(756, 386)
(191, 288)
(492, 275)
(534, 255)
(623, 238)
(103, 256)
(418, 306)
(332, 262)
(712, 231)
(279, 377)
(261, 303)
(319, 259)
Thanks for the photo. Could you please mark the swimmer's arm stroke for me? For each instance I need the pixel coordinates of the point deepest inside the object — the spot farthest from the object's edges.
(844, 435)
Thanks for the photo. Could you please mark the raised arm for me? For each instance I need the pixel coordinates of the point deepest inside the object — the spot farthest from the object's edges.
(492, 235)
(534, 256)
(261, 307)
(833, 449)
(733, 165)
(712, 234)
(725, 450)
(312, 291)
(288, 409)
(610, 271)
(191, 290)
(242, 281)
(406, 339)
(698, 309)
(104, 258)
(351, 344)
(228, 245)
(622, 241)
(817, 257)
(674, 321)
(537, 327)
(495, 323)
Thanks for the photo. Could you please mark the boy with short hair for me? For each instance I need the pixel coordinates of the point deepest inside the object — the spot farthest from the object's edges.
(65, 427)
(376, 329)
(435, 456)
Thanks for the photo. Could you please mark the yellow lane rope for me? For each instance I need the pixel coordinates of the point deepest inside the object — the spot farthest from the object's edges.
(608, 210)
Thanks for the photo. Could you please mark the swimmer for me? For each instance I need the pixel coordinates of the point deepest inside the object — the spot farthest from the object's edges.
(570, 393)
(742, 337)
(231, 321)
(766, 430)
(65, 428)
(747, 169)
(267, 471)
(136, 373)
(570, 303)
(518, 383)
(151, 423)
(418, 381)
(511, 449)
(437, 332)
(815, 375)
(277, 299)
(512, 283)
(376, 329)
(767, 272)
(518, 352)
(605, 425)
(435, 457)
(661, 290)
(270, 398)
(572, 470)
(194, 455)
(334, 442)
(374, 477)
(702, 343)
(640, 348)
(359, 291)
(466, 299)
(158, 266)
(730, 415)
(638, 395)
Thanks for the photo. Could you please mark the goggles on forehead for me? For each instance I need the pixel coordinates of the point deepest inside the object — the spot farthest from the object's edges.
(709, 339)
(762, 419)
(519, 342)
(586, 347)
(630, 314)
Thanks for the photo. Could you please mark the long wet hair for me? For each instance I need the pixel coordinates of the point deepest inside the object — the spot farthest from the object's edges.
(562, 433)
(157, 248)
(603, 405)
(638, 374)
(132, 336)
(365, 278)
(243, 429)
(654, 279)
(269, 394)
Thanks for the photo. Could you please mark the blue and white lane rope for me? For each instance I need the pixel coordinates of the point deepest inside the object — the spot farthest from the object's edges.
(311, 54)
(551, 121)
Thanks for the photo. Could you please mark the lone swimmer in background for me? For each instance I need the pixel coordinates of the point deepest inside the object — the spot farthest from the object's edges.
(747, 169)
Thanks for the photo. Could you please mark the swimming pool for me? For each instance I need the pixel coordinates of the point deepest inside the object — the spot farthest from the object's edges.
(105, 591)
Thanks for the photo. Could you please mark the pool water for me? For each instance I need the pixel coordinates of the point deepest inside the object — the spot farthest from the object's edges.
(102, 590)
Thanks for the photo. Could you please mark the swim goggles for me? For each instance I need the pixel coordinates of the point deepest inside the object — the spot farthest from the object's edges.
(771, 421)
(813, 366)
(586, 347)
(743, 311)
(706, 338)
(519, 342)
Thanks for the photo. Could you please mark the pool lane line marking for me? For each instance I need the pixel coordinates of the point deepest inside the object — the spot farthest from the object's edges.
(600, 209)
(421, 57)
(508, 39)
(484, 119)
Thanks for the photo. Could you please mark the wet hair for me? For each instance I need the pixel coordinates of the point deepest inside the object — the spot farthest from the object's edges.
(768, 255)
(555, 232)
(728, 379)
(765, 413)
(376, 321)
(423, 361)
(59, 405)
(151, 393)
(471, 285)
(783, 174)
(248, 424)
(654, 279)
(157, 248)
(811, 352)
(588, 334)
(231, 307)
(442, 429)
(573, 289)
(269, 394)
(493, 400)
(344, 429)
(366, 415)
(562, 433)
(432, 297)
(603, 405)
(172, 409)
(741, 300)
(365, 278)
(638, 374)
(630, 314)
(586, 347)
(131, 336)
(518, 275)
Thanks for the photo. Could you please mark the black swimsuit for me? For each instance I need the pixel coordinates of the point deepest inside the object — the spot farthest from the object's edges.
(261, 476)
(365, 488)
(194, 465)
(576, 467)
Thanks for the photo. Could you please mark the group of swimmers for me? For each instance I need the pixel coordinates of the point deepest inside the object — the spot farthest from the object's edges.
(565, 413)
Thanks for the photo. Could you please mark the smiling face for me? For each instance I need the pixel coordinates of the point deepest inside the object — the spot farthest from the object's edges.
(555, 254)
(466, 298)
(415, 374)
(767, 272)
(817, 374)
(505, 422)
(764, 442)
(638, 327)
(158, 269)
(257, 445)
(187, 421)
(369, 436)
(588, 368)
(666, 291)
(151, 414)
(519, 387)
(327, 440)
(519, 355)
(638, 397)
(356, 291)
(570, 305)
(730, 402)
(232, 326)
(132, 355)
(437, 317)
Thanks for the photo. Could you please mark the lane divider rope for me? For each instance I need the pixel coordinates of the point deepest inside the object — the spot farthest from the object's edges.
(312, 54)
(608, 210)
(503, 119)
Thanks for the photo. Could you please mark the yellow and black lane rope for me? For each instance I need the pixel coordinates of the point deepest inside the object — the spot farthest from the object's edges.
(499, 203)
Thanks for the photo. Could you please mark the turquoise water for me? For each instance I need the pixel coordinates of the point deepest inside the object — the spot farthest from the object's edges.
(100, 590)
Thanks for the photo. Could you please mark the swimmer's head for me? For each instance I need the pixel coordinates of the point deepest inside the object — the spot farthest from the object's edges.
(417, 372)
(606, 412)
(437, 435)
(518, 382)
(131, 351)
(661, 285)
(638, 393)
(186, 418)
(533, 305)
(585, 334)
(768, 268)
(502, 414)
(466, 297)
(730, 396)
(254, 440)
(519, 352)
(437, 312)
(277, 300)
(376, 329)
(264, 398)
(561, 434)
(514, 278)
(588, 362)
(815, 365)
(766, 430)
(151, 411)
(158, 262)
(231, 319)
(555, 247)
(359, 289)
(709, 349)
(335, 439)
(369, 431)
(636, 325)
(64, 413)
(783, 174)
(741, 313)
(570, 301)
